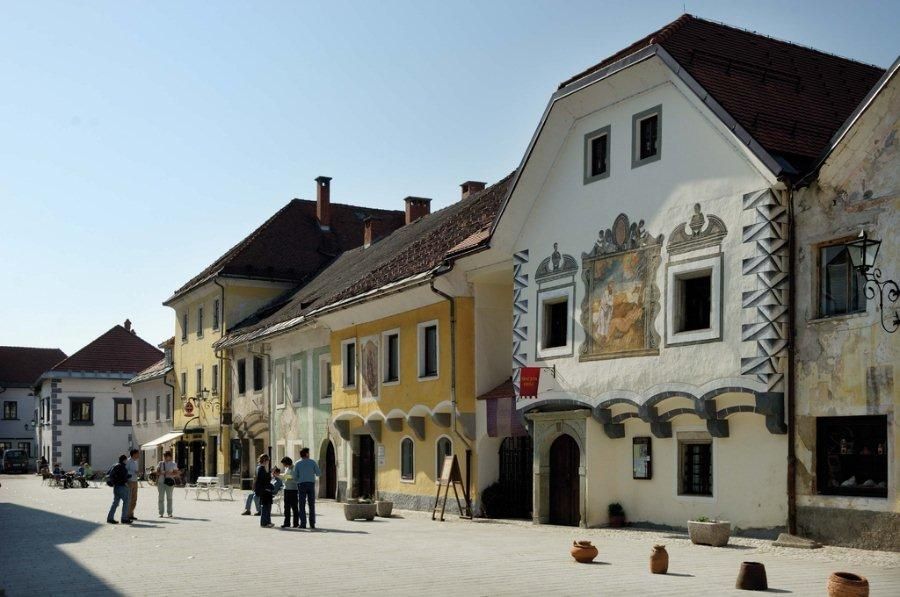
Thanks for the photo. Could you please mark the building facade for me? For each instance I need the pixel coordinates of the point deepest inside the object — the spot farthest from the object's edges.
(153, 391)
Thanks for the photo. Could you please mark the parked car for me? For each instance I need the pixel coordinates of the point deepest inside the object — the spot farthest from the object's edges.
(14, 461)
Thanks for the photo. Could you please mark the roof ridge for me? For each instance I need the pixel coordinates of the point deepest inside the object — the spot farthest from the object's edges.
(351, 205)
(31, 347)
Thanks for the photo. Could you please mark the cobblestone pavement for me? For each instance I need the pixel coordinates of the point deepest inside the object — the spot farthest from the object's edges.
(56, 541)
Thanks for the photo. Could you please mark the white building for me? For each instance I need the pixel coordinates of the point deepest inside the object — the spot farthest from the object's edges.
(153, 391)
(648, 229)
(85, 408)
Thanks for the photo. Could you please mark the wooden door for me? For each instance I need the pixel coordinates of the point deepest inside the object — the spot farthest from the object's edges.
(516, 473)
(564, 482)
(365, 470)
(330, 472)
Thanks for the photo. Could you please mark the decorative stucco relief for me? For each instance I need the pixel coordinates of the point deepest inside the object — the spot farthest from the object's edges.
(557, 266)
(520, 315)
(693, 235)
(621, 299)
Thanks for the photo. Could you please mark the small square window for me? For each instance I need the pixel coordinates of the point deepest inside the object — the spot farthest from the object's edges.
(555, 321)
(852, 456)
(695, 296)
(82, 411)
(10, 409)
(596, 155)
(81, 454)
(646, 140)
(694, 301)
(841, 286)
(695, 464)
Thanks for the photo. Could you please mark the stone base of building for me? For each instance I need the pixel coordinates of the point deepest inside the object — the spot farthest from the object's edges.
(862, 529)
(405, 501)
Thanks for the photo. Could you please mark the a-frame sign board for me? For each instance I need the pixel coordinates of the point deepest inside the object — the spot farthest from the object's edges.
(450, 475)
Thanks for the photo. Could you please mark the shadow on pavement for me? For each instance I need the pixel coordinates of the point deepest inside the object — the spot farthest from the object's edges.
(37, 532)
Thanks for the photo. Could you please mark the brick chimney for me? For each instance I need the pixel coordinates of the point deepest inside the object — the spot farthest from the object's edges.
(470, 187)
(368, 225)
(417, 207)
(323, 201)
(127, 325)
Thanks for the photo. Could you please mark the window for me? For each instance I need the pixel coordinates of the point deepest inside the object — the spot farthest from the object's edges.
(216, 314)
(4, 446)
(428, 349)
(326, 383)
(596, 155)
(25, 447)
(199, 387)
(841, 287)
(81, 453)
(82, 411)
(168, 407)
(693, 300)
(279, 387)
(348, 354)
(646, 141)
(695, 464)
(200, 321)
(183, 384)
(123, 411)
(444, 449)
(555, 321)
(184, 326)
(298, 383)
(144, 418)
(695, 295)
(391, 352)
(215, 379)
(406, 459)
(257, 374)
(852, 456)
(157, 408)
(10, 409)
(242, 376)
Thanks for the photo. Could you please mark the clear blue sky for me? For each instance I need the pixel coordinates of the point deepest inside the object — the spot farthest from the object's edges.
(140, 140)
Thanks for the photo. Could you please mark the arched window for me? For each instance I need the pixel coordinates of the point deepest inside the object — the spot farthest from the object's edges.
(444, 449)
(406, 459)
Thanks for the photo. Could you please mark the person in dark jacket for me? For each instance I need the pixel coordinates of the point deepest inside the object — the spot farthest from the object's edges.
(118, 476)
(263, 488)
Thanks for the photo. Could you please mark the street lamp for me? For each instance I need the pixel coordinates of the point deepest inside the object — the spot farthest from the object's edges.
(863, 251)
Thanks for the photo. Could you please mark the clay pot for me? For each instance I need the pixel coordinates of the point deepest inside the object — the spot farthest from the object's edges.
(752, 577)
(659, 560)
(583, 552)
(616, 522)
(847, 584)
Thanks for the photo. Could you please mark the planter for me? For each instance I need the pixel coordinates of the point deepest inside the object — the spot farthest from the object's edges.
(752, 577)
(583, 552)
(659, 560)
(709, 533)
(355, 511)
(847, 584)
(384, 508)
(616, 521)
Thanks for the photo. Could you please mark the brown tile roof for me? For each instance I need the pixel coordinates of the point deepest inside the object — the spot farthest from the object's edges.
(21, 366)
(504, 390)
(116, 351)
(790, 98)
(292, 246)
(157, 369)
(414, 249)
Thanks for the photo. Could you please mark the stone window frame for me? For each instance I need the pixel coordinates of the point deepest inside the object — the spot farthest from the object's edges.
(636, 119)
(346, 382)
(127, 402)
(325, 373)
(588, 155)
(420, 349)
(695, 434)
(259, 381)
(77, 462)
(81, 399)
(683, 269)
(385, 351)
(545, 296)
(6, 410)
(818, 283)
(412, 473)
(279, 383)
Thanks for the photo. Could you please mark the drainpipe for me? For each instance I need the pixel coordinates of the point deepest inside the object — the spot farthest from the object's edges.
(445, 268)
(226, 449)
(788, 196)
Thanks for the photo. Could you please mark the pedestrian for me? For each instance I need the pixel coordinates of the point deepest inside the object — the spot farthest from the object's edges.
(290, 494)
(166, 473)
(305, 473)
(133, 465)
(263, 488)
(252, 498)
(118, 479)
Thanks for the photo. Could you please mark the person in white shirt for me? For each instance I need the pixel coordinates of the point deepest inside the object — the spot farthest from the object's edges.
(166, 473)
(133, 465)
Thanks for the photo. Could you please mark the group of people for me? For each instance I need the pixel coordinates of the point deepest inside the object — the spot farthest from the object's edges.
(298, 480)
(123, 478)
(67, 479)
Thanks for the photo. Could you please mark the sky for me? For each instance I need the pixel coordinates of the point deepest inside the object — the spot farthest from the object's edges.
(140, 140)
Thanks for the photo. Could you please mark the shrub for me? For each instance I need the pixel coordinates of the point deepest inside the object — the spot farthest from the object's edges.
(616, 509)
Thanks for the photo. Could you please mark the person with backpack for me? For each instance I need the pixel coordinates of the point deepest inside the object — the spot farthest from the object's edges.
(117, 478)
(166, 473)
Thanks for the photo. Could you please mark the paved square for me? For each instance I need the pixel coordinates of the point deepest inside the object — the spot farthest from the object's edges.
(56, 541)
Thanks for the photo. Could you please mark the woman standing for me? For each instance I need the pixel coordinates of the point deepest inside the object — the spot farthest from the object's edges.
(263, 488)
(291, 497)
(166, 473)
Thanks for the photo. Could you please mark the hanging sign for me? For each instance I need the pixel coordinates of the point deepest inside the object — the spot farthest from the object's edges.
(529, 378)
(189, 407)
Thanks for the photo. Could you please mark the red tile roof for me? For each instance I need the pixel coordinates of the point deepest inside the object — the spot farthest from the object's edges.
(116, 351)
(504, 390)
(292, 246)
(21, 366)
(790, 98)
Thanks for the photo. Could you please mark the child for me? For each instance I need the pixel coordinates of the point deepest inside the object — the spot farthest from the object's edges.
(290, 494)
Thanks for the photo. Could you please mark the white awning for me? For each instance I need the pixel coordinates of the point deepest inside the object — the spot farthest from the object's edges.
(162, 439)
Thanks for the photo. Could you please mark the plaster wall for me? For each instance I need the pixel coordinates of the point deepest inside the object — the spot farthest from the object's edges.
(493, 328)
(14, 431)
(155, 424)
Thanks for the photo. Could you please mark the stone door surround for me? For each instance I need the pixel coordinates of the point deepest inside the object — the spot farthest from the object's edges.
(548, 426)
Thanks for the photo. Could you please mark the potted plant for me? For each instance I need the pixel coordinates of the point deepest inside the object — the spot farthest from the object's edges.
(361, 508)
(384, 508)
(704, 531)
(616, 515)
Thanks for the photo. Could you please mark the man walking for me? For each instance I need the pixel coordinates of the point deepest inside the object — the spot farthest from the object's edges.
(118, 478)
(305, 472)
(133, 465)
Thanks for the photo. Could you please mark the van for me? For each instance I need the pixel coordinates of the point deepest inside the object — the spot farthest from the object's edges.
(14, 461)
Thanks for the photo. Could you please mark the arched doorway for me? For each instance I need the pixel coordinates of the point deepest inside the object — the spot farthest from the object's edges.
(330, 471)
(516, 472)
(565, 460)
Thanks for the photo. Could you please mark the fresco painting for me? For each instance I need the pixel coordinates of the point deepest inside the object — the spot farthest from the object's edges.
(369, 370)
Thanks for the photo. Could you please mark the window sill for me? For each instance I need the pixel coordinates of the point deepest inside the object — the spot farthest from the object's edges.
(325, 400)
(123, 424)
(555, 352)
(5, 419)
(690, 497)
(428, 377)
(408, 481)
(392, 382)
(81, 423)
(841, 317)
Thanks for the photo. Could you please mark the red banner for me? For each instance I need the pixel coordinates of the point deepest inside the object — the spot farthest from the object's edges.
(529, 378)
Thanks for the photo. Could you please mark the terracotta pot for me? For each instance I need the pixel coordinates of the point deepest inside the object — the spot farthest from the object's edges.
(752, 577)
(847, 584)
(616, 521)
(659, 560)
(583, 552)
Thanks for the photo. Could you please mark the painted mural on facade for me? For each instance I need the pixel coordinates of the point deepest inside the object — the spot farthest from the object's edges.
(369, 369)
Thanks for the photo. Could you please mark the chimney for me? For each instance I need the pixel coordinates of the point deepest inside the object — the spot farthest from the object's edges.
(470, 187)
(127, 325)
(417, 207)
(323, 201)
(368, 224)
